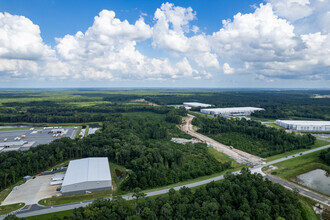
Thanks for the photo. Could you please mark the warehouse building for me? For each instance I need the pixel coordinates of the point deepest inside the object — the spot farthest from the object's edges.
(297, 125)
(225, 112)
(88, 174)
(195, 104)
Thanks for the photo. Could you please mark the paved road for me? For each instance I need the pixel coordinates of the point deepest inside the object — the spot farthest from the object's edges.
(38, 210)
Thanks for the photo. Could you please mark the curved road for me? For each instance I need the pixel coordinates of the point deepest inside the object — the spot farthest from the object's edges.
(35, 209)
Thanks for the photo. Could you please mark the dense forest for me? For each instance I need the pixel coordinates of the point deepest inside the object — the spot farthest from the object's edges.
(64, 106)
(251, 136)
(325, 156)
(244, 196)
(138, 141)
(277, 104)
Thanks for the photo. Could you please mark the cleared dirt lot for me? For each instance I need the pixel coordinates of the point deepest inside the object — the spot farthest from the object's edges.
(32, 191)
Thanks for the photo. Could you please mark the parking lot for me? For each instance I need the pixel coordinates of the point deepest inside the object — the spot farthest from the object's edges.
(32, 191)
(36, 136)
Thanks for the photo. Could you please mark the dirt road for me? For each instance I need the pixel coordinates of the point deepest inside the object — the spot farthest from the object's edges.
(238, 155)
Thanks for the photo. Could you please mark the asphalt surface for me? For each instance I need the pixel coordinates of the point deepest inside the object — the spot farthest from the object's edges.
(36, 136)
(38, 210)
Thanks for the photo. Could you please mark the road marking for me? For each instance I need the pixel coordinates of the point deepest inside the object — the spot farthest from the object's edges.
(29, 207)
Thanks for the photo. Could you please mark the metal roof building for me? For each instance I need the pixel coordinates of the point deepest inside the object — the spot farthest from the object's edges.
(196, 104)
(298, 125)
(88, 174)
(231, 111)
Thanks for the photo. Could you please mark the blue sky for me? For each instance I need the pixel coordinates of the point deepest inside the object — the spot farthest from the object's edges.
(221, 44)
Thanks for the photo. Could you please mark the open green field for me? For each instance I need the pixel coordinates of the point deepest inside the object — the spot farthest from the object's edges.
(9, 208)
(318, 143)
(302, 164)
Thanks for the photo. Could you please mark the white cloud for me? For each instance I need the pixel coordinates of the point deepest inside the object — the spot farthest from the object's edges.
(172, 25)
(262, 43)
(107, 50)
(283, 39)
(291, 9)
(227, 69)
(20, 39)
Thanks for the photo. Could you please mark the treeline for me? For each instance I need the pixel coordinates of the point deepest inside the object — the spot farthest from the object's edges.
(325, 156)
(51, 112)
(141, 144)
(277, 104)
(251, 136)
(244, 196)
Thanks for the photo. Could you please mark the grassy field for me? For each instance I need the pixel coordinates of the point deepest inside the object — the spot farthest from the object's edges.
(75, 198)
(318, 143)
(272, 124)
(51, 216)
(222, 157)
(302, 164)
(9, 208)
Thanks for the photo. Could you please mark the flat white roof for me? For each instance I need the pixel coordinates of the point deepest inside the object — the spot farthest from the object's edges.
(87, 169)
(298, 122)
(233, 109)
(197, 104)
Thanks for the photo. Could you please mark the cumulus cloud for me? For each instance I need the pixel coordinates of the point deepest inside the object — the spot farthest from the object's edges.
(107, 50)
(282, 39)
(261, 42)
(172, 25)
(21, 47)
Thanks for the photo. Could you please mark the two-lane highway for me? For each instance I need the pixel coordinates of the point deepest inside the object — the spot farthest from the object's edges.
(38, 210)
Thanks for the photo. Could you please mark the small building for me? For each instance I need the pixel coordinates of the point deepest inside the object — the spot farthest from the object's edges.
(225, 112)
(311, 126)
(195, 105)
(88, 174)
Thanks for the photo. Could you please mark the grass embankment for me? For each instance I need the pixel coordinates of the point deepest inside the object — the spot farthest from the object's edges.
(194, 180)
(75, 198)
(222, 157)
(116, 171)
(318, 143)
(86, 131)
(4, 193)
(308, 211)
(51, 216)
(302, 164)
(10, 208)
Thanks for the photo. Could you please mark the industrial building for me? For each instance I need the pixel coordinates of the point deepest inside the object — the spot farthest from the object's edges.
(195, 104)
(88, 174)
(225, 112)
(297, 125)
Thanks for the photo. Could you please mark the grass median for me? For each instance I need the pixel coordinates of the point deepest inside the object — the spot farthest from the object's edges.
(318, 143)
(5, 209)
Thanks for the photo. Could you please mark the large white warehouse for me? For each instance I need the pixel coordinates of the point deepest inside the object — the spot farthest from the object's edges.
(297, 125)
(88, 174)
(196, 104)
(231, 111)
